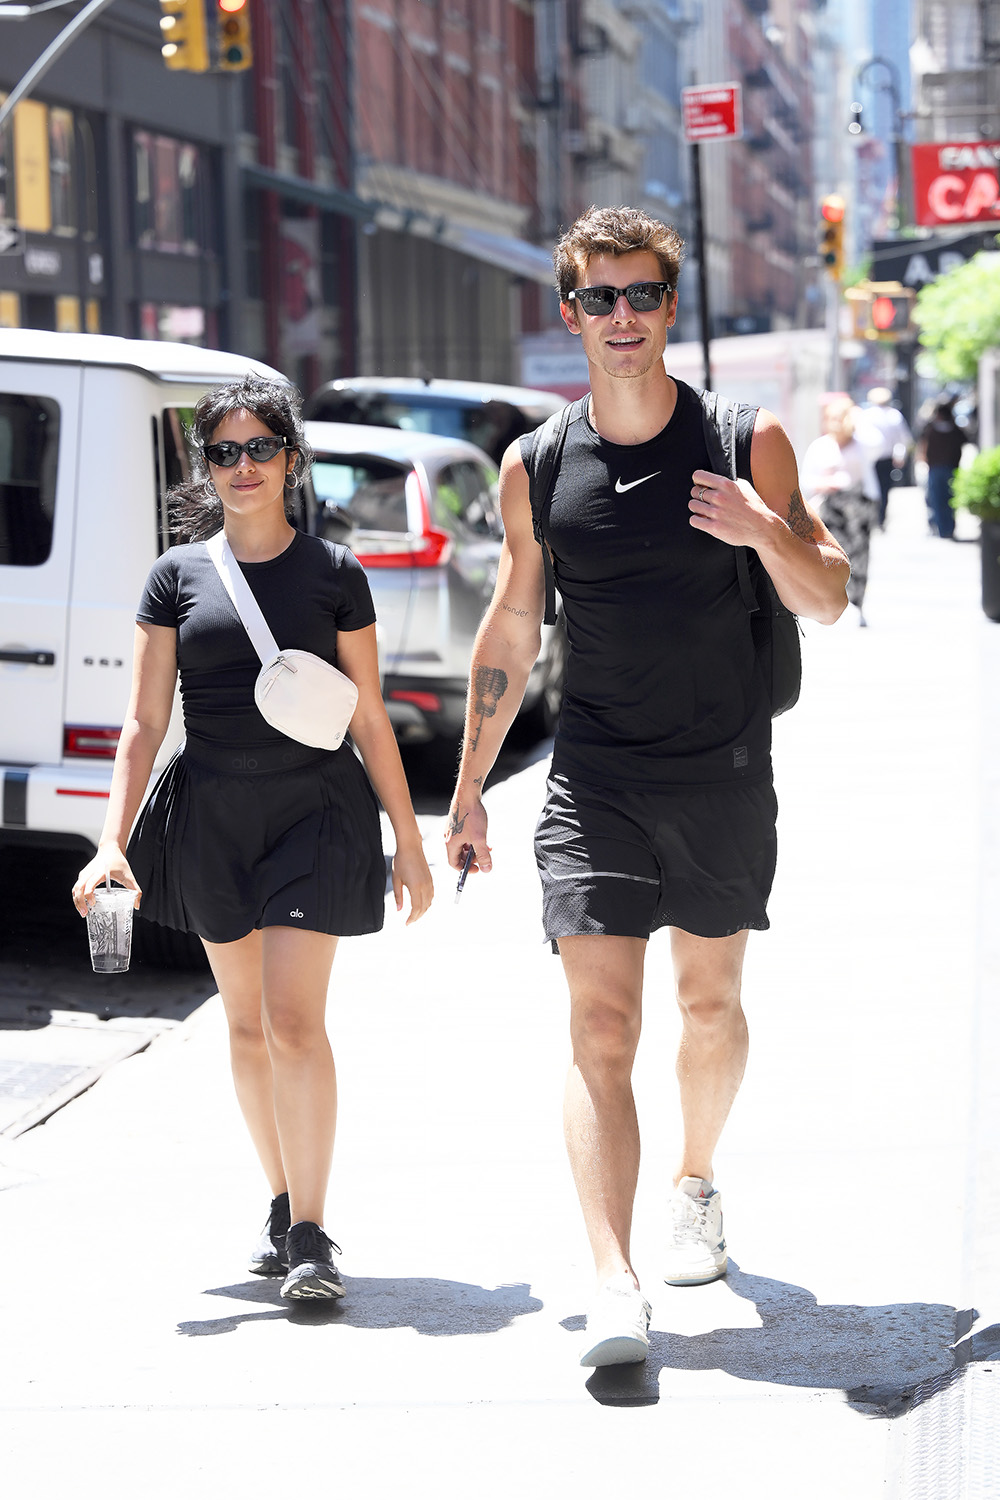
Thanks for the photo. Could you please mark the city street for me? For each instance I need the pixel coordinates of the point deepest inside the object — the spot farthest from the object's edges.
(853, 1351)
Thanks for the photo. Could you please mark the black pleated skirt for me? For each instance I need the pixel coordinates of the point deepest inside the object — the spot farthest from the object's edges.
(221, 852)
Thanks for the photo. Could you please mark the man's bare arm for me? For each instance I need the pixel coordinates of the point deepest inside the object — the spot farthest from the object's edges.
(507, 644)
(807, 566)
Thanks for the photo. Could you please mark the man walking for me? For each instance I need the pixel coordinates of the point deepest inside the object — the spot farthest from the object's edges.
(660, 809)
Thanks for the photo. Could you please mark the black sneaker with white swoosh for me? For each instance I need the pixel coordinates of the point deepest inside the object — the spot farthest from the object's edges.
(311, 1271)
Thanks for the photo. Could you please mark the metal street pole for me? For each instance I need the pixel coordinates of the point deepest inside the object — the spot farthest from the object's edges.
(833, 330)
(892, 88)
(52, 53)
(699, 243)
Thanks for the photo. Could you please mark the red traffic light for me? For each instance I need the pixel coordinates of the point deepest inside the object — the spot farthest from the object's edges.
(833, 208)
(233, 5)
(883, 313)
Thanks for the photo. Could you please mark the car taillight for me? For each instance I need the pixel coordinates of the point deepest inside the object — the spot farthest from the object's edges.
(431, 548)
(430, 703)
(425, 551)
(84, 740)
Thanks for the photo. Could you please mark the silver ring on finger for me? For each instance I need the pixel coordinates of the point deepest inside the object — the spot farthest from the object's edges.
(701, 493)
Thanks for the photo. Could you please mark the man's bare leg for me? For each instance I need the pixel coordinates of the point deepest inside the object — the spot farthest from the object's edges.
(602, 1133)
(713, 1048)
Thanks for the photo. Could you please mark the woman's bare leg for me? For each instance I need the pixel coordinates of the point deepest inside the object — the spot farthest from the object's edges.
(296, 976)
(237, 970)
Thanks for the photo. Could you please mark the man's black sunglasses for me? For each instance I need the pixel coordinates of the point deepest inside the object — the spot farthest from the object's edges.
(642, 296)
(259, 449)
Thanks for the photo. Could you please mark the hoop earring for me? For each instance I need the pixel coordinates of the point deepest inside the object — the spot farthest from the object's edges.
(292, 480)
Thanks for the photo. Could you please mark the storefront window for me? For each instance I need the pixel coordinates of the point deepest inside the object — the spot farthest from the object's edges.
(67, 315)
(181, 325)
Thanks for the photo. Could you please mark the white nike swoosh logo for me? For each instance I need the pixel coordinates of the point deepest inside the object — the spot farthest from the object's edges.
(621, 488)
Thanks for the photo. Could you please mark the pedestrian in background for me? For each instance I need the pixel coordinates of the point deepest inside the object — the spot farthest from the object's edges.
(895, 442)
(266, 848)
(660, 808)
(838, 478)
(940, 447)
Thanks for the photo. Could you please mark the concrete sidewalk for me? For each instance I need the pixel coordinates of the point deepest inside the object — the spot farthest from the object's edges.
(848, 1353)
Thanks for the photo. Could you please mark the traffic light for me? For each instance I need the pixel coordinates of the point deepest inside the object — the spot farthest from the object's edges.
(232, 26)
(831, 242)
(891, 307)
(880, 310)
(185, 42)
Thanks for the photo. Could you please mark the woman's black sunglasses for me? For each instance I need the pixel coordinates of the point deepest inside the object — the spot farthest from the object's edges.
(642, 296)
(259, 449)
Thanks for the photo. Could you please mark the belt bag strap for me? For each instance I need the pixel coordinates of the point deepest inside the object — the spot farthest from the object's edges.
(241, 594)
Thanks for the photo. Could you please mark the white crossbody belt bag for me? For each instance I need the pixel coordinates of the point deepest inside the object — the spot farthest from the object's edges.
(297, 692)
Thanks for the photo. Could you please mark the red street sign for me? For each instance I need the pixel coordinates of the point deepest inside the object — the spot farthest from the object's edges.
(713, 113)
(957, 182)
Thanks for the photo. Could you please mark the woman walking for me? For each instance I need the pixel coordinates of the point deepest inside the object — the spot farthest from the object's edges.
(838, 479)
(268, 849)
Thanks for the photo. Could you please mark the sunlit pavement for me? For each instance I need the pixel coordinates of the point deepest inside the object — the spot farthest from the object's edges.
(848, 1353)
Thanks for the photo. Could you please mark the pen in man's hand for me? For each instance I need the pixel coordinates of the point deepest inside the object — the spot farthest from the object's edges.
(470, 855)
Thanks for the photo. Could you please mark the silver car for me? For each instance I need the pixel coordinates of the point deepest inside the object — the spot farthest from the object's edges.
(480, 412)
(426, 527)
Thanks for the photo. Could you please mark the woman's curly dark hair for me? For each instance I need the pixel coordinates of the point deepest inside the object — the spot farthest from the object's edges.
(194, 508)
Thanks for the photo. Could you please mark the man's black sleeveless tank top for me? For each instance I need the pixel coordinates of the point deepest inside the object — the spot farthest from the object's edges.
(662, 684)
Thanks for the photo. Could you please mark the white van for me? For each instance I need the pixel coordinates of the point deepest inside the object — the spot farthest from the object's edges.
(91, 437)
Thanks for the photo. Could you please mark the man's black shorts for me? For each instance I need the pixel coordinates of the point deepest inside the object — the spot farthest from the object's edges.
(622, 863)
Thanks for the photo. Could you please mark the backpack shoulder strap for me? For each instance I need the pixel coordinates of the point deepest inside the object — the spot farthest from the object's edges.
(542, 460)
(728, 429)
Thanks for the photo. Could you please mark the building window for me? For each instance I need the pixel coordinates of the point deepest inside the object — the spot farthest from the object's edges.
(61, 176)
(167, 194)
(89, 219)
(6, 173)
(31, 166)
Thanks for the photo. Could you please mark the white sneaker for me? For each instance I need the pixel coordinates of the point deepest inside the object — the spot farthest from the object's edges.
(697, 1250)
(617, 1325)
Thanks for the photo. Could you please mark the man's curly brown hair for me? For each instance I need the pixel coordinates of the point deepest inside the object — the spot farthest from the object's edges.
(615, 231)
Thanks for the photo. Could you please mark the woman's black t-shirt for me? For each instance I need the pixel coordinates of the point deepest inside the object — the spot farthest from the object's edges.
(307, 594)
(662, 686)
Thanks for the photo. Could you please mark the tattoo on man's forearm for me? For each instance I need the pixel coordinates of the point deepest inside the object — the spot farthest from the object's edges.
(456, 823)
(800, 523)
(489, 686)
(478, 781)
(521, 613)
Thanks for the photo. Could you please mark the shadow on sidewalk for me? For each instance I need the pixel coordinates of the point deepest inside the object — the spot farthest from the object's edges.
(438, 1309)
(886, 1360)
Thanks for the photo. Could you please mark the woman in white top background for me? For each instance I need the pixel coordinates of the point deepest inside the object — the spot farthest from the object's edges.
(837, 477)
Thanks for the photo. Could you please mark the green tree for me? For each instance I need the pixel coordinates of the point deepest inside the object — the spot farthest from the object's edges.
(959, 316)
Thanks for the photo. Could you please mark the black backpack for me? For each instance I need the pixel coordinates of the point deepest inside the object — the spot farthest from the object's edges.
(728, 428)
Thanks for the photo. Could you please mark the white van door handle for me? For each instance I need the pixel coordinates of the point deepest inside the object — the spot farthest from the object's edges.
(33, 658)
